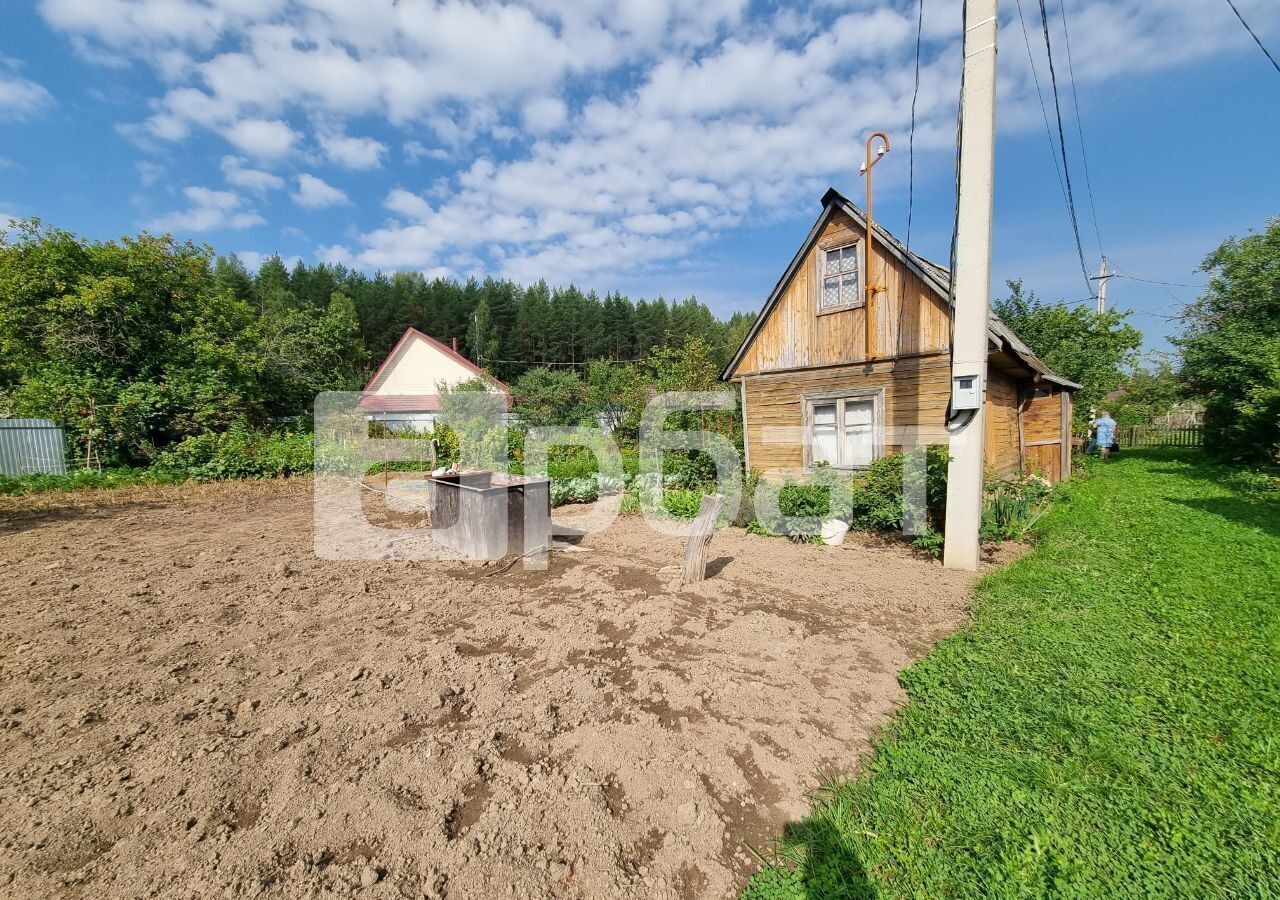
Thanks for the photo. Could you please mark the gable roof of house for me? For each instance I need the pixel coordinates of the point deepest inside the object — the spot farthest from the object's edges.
(412, 332)
(937, 278)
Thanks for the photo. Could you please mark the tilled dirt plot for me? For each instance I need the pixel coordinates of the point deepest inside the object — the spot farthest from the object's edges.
(194, 705)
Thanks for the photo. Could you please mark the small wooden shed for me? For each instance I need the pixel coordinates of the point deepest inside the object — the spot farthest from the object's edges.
(817, 385)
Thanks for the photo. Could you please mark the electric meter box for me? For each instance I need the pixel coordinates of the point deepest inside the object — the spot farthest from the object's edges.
(966, 392)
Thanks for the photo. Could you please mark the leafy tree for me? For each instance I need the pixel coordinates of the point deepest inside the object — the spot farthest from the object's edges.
(1146, 394)
(550, 397)
(140, 343)
(691, 366)
(1230, 347)
(474, 414)
(611, 386)
(1090, 348)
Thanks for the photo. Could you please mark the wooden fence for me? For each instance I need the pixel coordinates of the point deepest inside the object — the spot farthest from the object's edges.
(1158, 436)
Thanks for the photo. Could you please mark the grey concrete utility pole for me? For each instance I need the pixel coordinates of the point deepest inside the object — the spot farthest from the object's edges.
(972, 285)
(1103, 277)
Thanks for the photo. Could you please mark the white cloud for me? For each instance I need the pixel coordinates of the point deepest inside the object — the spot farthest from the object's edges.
(589, 139)
(237, 172)
(208, 210)
(20, 97)
(416, 150)
(353, 152)
(314, 193)
(262, 138)
(543, 114)
(148, 172)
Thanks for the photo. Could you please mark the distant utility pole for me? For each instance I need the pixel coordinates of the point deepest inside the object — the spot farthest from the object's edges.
(972, 285)
(1102, 278)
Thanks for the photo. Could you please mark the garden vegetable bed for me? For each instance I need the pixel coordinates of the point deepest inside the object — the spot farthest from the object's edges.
(196, 706)
(1105, 728)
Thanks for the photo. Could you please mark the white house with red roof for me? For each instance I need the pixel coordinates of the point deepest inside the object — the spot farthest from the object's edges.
(405, 391)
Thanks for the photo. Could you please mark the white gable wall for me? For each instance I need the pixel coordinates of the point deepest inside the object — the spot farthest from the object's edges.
(418, 367)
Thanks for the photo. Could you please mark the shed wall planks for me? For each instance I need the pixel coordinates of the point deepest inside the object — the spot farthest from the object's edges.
(1002, 449)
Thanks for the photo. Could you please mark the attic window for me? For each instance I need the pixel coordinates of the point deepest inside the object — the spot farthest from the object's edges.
(838, 278)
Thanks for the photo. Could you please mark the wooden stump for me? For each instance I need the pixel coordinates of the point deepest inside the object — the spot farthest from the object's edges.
(695, 552)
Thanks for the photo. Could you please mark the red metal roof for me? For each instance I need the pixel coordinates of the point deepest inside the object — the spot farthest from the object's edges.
(401, 402)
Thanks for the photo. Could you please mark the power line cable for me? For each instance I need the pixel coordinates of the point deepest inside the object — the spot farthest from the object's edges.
(1062, 142)
(951, 418)
(911, 135)
(1163, 285)
(1044, 113)
(1153, 281)
(1075, 102)
(1121, 272)
(911, 160)
(1257, 40)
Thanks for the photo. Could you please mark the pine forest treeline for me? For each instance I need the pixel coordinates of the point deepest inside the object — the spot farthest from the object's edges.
(505, 327)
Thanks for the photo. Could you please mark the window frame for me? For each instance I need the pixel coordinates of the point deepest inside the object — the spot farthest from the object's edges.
(840, 397)
(860, 299)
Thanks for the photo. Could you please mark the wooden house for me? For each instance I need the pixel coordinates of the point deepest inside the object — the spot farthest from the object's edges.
(405, 391)
(818, 385)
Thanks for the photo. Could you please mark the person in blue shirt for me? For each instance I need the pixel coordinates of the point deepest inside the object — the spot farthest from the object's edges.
(1104, 433)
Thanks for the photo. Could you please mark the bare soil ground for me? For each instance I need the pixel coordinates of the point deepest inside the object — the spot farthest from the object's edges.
(193, 705)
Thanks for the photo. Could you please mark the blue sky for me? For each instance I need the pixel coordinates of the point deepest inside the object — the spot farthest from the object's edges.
(648, 146)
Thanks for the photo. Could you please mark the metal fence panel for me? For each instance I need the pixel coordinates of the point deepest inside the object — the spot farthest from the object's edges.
(32, 445)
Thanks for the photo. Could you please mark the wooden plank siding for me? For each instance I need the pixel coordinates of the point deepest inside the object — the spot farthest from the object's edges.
(1042, 432)
(916, 392)
(1002, 448)
(909, 318)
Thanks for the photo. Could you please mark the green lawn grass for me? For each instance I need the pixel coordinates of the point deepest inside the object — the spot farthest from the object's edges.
(1108, 725)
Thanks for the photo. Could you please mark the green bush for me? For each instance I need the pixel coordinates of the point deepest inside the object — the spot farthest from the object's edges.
(930, 542)
(869, 501)
(690, 469)
(807, 503)
(682, 504)
(804, 500)
(237, 453)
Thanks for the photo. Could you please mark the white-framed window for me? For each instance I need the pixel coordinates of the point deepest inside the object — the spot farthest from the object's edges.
(839, 284)
(844, 431)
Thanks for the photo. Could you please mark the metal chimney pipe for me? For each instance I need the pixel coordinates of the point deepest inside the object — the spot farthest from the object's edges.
(455, 345)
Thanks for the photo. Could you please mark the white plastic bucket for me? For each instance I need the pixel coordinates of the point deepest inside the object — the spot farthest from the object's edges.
(833, 532)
